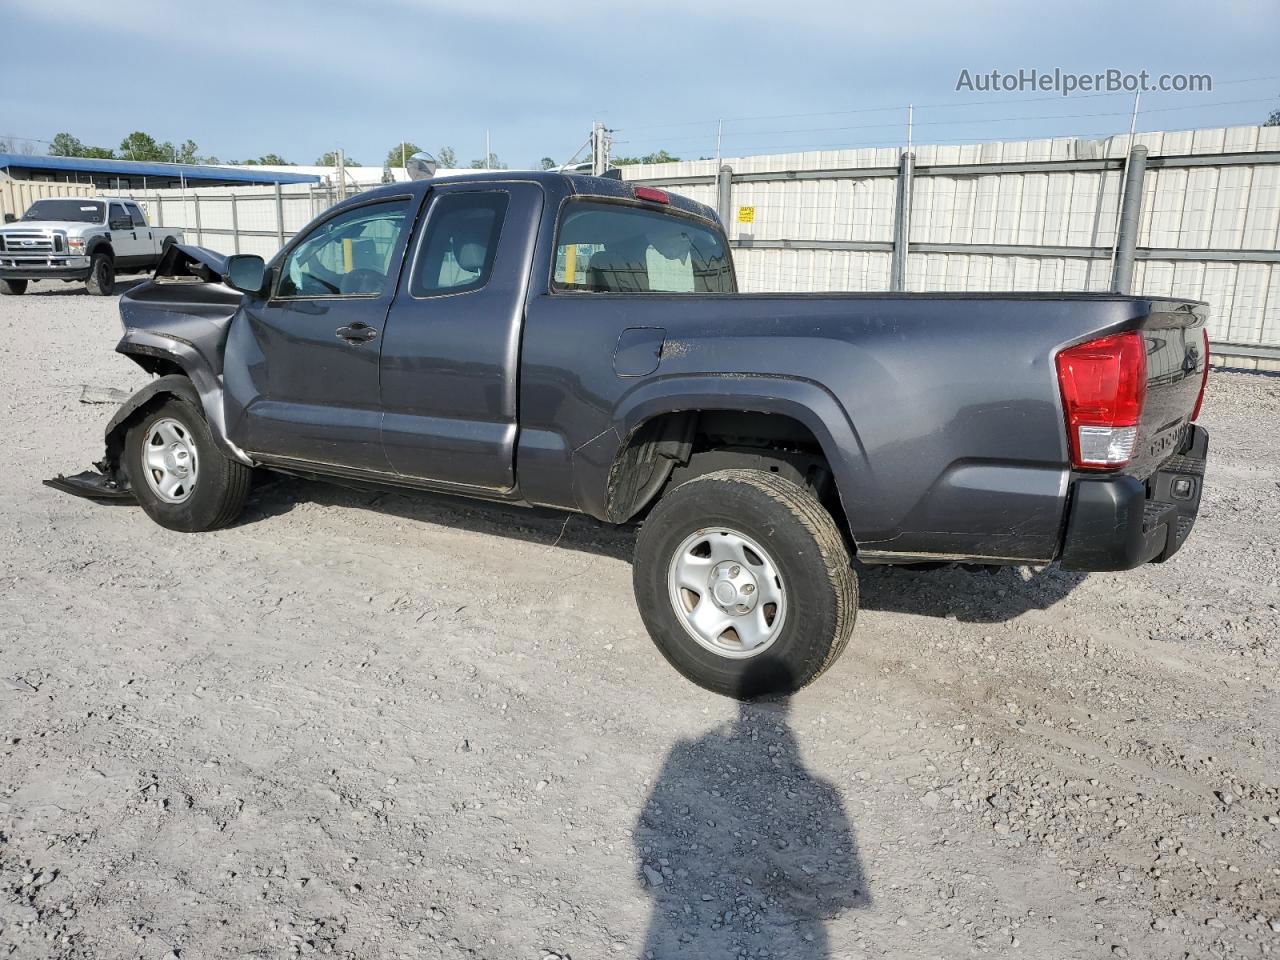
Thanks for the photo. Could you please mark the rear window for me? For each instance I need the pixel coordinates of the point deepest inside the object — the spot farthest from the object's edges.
(613, 248)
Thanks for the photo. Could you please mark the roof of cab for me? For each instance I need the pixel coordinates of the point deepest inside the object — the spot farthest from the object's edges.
(606, 188)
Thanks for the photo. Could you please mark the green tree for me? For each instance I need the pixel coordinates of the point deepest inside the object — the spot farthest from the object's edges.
(142, 146)
(399, 153)
(187, 152)
(65, 145)
(271, 159)
(447, 157)
(489, 163)
(548, 163)
(330, 159)
(660, 157)
(1273, 120)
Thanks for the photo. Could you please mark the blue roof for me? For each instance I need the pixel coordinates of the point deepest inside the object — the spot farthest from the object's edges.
(133, 168)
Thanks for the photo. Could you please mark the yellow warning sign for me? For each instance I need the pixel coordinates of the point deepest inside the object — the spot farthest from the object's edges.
(746, 214)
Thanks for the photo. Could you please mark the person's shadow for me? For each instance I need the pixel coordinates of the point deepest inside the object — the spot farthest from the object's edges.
(743, 850)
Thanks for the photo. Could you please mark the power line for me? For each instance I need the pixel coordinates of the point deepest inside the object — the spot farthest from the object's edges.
(952, 105)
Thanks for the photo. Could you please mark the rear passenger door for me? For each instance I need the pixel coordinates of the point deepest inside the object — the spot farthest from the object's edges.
(452, 344)
(146, 241)
(129, 250)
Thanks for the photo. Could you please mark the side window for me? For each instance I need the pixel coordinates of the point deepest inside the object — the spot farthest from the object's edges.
(348, 256)
(460, 243)
(138, 219)
(613, 248)
(118, 214)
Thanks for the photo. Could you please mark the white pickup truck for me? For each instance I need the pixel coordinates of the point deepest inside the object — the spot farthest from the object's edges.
(80, 238)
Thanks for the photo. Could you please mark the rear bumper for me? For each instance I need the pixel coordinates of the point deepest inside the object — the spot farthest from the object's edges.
(1117, 523)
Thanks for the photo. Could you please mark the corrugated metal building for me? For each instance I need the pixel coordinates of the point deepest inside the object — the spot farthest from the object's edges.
(118, 175)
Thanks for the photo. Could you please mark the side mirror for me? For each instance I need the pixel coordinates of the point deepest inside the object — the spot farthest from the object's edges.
(421, 166)
(246, 272)
(10, 218)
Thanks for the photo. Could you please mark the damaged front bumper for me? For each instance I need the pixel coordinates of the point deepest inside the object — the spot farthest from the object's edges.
(93, 485)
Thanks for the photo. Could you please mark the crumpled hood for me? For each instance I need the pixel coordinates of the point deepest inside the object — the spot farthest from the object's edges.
(185, 309)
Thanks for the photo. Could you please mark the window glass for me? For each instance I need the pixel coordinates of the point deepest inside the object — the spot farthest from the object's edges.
(138, 219)
(117, 213)
(611, 248)
(461, 242)
(78, 211)
(348, 256)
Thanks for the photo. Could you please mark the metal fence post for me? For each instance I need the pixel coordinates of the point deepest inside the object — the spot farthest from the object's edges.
(235, 225)
(159, 209)
(902, 224)
(279, 215)
(724, 196)
(1130, 221)
(199, 230)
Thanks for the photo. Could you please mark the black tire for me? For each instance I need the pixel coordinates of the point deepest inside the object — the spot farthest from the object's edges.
(221, 485)
(812, 561)
(102, 276)
(13, 288)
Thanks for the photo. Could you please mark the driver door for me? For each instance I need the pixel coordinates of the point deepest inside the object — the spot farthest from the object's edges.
(302, 363)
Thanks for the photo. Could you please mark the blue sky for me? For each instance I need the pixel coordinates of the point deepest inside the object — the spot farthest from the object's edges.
(243, 78)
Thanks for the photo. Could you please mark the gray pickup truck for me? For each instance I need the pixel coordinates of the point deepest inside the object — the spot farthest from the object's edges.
(89, 239)
(579, 343)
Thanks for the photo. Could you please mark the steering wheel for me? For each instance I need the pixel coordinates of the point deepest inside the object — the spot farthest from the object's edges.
(363, 280)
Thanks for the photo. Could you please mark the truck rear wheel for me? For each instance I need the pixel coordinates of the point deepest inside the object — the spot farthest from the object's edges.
(13, 288)
(179, 476)
(744, 583)
(102, 276)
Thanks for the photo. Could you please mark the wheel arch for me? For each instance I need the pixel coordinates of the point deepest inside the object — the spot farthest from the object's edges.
(99, 245)
(660, 421)
(171, 385)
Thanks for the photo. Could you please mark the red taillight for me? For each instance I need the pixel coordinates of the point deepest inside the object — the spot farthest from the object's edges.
(1104, 385)
(1204, 380)
(649, 193)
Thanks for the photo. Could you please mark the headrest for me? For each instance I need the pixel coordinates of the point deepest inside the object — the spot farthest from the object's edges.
(470, 255)
(470, 240)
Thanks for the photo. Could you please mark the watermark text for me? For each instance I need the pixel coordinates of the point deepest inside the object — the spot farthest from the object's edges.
(1065, 83)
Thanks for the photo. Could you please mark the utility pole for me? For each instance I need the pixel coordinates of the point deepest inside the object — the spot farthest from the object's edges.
(342, 175)
(601, 145)
(488, 151)
(719, 134)
(1125, 182)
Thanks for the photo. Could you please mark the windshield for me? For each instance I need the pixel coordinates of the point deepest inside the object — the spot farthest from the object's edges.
(79, 211)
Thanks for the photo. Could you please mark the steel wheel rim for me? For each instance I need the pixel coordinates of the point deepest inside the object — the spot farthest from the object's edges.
(727, 592)
(169, 460)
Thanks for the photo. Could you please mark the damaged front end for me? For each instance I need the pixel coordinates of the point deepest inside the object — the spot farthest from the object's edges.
(175, 326)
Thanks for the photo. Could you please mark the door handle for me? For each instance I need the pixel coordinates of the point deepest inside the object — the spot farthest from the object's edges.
(357, 333)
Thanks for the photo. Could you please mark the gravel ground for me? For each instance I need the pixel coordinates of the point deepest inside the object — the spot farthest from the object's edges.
(374, 726)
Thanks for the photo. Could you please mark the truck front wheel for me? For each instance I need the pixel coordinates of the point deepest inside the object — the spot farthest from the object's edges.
(179, 476)
(13, 288)
(744, 582)
(102, 276)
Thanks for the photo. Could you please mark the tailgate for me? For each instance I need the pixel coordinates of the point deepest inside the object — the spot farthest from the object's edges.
(1176, 359)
